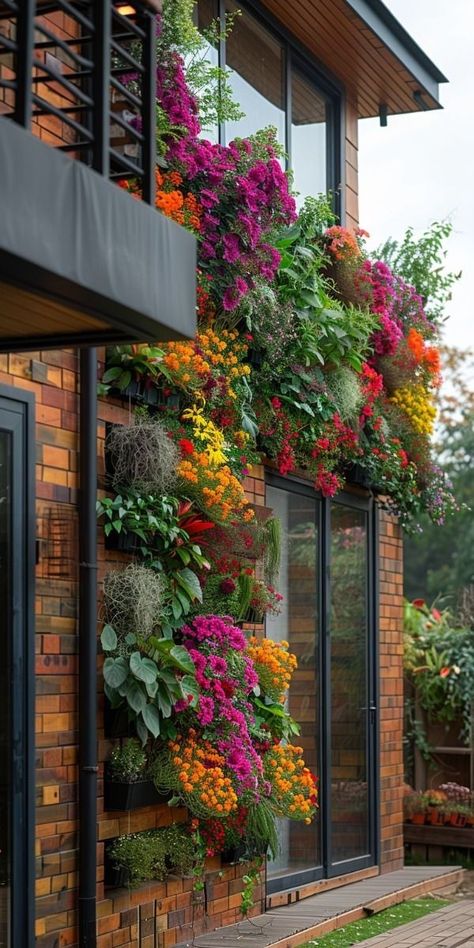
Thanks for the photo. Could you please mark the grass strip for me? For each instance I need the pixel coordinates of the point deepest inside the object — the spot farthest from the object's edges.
(378, 924)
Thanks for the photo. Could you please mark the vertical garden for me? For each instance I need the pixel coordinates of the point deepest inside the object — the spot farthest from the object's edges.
(310, 356)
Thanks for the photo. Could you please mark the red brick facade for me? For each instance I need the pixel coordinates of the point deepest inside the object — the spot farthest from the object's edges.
(161, 911)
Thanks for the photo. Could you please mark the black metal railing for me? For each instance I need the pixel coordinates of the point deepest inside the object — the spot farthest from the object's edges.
(81, 74)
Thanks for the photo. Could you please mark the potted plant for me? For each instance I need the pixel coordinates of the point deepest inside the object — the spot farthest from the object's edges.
(435, 801)
(151, 855)
(415, 805)
(126, 786)
(456, 814)
(135, 373)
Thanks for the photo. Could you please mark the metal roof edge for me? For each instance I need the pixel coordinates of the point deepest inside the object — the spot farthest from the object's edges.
(385, 25)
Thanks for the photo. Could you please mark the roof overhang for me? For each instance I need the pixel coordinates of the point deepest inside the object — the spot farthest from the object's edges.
(81, 261)
(364, 46)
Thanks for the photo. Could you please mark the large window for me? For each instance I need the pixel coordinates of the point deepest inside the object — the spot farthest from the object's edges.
(275, 85)
(326, 578)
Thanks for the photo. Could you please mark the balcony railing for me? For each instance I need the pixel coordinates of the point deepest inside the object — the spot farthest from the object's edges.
(81, 75)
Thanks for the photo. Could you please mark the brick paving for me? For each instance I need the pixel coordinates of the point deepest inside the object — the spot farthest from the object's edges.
(449, 927)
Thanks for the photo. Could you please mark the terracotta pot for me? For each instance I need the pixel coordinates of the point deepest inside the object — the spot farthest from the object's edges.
(435, 816)
(418, 818)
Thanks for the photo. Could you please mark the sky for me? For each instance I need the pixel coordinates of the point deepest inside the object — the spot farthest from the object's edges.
(420, 168)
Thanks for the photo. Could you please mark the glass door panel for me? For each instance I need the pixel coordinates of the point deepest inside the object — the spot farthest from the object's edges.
(349, 686)
(5, 665)
(300, 845)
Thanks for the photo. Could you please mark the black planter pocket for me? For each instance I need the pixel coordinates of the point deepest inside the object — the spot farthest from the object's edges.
(116, 722)
(124, 542)
(115, 876)
(130, 796)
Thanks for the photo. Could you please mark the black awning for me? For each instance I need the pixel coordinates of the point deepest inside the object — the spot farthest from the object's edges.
(113, 267)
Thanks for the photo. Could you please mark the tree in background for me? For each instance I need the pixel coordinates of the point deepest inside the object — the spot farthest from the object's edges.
(439, 563)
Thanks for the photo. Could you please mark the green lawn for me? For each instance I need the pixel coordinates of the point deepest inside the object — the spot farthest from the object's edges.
(377, 924)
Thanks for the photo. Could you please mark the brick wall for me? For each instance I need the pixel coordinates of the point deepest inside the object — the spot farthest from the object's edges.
(391, 692)
(167, 909)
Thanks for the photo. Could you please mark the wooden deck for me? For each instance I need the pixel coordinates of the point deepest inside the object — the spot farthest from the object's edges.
(293, 925)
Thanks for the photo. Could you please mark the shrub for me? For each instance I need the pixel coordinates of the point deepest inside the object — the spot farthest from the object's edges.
(128, 762)
(154, 854)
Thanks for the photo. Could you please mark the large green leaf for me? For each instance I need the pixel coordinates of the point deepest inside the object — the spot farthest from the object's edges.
(108, 638)
(143, 668)
(190, 583)
(135, 696)
(189, 686)
(115, 671)
(182, 658)
(152, 719)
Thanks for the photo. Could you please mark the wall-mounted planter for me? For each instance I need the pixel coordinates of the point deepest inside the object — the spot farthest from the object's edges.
(145, 392)
(130, 796)
(116, 722)
(124, 542)
(115, 876)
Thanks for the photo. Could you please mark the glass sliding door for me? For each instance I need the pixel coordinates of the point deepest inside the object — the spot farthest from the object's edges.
(5, 664)
(326, 579)
(16, 670)
(351, 700)
(298, 624)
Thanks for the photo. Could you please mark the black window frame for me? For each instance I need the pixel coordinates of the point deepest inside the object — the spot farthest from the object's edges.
(15, 401)
(298, 56)
(329, 869)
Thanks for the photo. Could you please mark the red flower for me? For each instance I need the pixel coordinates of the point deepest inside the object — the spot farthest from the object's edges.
(419, 603)
(186, 446)
(444, 672)
(276, 402)
(436, 614)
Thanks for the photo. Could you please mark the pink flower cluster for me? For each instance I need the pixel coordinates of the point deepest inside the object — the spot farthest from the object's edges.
(225, 677)
(397, 304)
(241, 187)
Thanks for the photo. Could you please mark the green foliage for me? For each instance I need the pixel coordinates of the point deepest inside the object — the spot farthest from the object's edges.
(147, 678)
(421, 261)
(343, 383)
(379, 923)
(271, 716)
(272, 555)
(251, 879)
(127, 364)
(439, 663)
(209, 83)
(128, 762)
(261, 831)
(153, 854)
(166, 548)
(440, 562)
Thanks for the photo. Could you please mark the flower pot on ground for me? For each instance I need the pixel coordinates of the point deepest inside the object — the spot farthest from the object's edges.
(415, 807)
(435, 816)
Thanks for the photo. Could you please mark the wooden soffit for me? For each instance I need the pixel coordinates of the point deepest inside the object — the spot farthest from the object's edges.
(365, 47)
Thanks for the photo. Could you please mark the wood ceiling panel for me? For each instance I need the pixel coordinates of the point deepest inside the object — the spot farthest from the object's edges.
(26, 314)
(340, 40)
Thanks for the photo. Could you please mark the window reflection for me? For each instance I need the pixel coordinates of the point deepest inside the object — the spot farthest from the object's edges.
(308, 137)
(349, 685)
(298, 625)
(206, 13)
(257, 77)
(5, 659)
